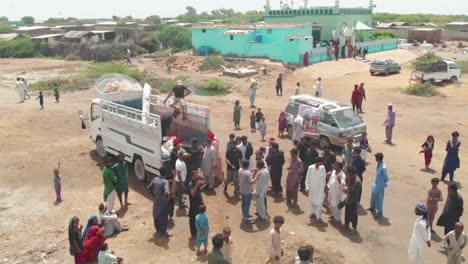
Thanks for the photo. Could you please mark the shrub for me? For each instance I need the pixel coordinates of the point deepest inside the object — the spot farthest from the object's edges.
(463, 66)
(6, 29)
(150, 42)
(382, 35)
(18, 48)
(429, 57)
(420, 89)
(97, 70)
(214, 85)
(72, 57)
(162, 53)
(70, 84)
(177, 37)
(211, 63)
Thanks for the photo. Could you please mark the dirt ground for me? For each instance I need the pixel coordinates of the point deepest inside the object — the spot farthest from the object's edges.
(34, 230)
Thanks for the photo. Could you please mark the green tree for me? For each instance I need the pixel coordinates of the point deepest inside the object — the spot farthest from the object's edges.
(191, 11)
(150, 42)
(177, 37)
(4, 19)
(154, 19)
(28, 19)
(54, 20)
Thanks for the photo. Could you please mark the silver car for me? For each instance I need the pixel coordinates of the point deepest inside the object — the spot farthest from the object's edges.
(384, 66)
(337, 121)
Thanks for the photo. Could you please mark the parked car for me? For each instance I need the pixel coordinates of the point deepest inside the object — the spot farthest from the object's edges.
(438, 71)
(334, 121)
(384, 66)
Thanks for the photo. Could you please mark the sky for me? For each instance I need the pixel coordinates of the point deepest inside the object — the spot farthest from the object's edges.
(43, 9)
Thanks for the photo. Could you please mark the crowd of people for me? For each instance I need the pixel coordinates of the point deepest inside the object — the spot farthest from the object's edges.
(22, 90)
(330, 182)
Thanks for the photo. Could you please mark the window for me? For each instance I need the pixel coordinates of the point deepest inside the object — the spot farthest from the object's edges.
(327, 118)
(292, 109)
(453, 66)
(347, 118)
(95, 112)
(232, 37)
(203, 30)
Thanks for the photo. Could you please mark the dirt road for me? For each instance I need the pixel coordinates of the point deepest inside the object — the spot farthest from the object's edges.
(34, 230)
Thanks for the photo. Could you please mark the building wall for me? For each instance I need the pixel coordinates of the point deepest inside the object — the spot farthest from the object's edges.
(454, 35)
(430, 36)
(330, 18)
(273, 45)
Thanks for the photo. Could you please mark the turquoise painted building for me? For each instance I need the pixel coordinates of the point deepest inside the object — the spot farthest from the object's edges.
(286, 43)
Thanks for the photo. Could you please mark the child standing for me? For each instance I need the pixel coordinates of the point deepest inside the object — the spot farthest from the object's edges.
(262, 127)
(258, 116)
(56, 93)
(201, 224)
(41, 100)
(57, 184)
(227, 244)
(276, 252)
(237, 114)
(428, 146)
(434, 196)
(252, 122)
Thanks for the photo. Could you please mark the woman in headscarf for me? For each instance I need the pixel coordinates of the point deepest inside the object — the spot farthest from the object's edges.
(92, 243)
(428, 146)
(92, 221)
(74, 237)
(218, 172)
(282, 123)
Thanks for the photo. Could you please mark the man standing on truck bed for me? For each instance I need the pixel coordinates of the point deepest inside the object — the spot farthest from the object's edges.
(167, 119)
(179, 92)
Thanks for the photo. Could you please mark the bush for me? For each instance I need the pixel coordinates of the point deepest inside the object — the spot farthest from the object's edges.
(165, 85)
(150, 42)
(72, 57)
(6, 29)
(214, 85)
(463, 66)
(421, 89)
(177, 37)
(70, 84)
(18, 48)
(382, 35)
(162, 53)
(211, 63)
(97, 70)
(429, 57)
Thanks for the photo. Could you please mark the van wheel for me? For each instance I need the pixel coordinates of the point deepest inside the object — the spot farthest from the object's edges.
(454, 79)
(100, 149)
(387, 72)
(290, 132)
(139, 169)
(324, 141)
(371, 73)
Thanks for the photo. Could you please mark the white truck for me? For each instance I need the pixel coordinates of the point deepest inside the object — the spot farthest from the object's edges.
(120, 126)
(436, 72)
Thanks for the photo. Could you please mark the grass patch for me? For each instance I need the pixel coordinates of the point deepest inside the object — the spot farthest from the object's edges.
(214, 85)
(463, 66)
(429, 57)
(420, 89)
(165, 85)
(211, 63)
(97, 70)
(73, 83)
(162, 53)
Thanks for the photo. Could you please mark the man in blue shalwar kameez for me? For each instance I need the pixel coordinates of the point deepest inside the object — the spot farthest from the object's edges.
(380, 183)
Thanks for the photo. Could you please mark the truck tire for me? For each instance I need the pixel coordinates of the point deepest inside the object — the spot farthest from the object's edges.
(454, 79)
(290, 132)
(324, 141)
(100, 149)
(139, 169)
(433, 82)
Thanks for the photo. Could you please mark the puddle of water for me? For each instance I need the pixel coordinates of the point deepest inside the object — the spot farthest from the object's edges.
(201, 92)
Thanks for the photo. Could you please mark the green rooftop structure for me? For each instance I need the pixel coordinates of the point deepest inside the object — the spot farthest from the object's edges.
(331, 22)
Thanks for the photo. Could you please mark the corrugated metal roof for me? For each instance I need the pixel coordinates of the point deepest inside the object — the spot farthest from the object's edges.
(77, 34)
(9, 36)
(47, 36)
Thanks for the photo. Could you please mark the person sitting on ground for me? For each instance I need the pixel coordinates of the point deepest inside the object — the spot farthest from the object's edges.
(110, 221)
(106, 256)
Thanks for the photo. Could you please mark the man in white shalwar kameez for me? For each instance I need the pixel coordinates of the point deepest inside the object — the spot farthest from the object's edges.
(455, 241)
(298, 126)
(209, 163)
(335, 188)
(20, 89)
(315, 186)
(421, 235)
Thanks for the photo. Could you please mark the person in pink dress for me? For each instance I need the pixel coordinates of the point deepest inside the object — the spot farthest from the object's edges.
(218, 173)
(282, 123)
(428, 146)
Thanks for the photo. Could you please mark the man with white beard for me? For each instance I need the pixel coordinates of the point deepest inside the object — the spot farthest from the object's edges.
(335, 188)
(315, 188)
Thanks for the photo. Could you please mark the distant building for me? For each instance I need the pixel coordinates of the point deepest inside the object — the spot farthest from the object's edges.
(80, 37)
(457, 26)
(33, 30)
(169, 21)
(430, 35)
(48, 39)
(104, 35)
(286, 43)
(10, 36)
(455, 31)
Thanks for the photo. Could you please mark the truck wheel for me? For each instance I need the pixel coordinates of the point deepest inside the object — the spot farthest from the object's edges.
(371, 73)
(100, 149)
(432, 81)
(139, 169)
(387, 72)
(454, 79)
(290, 132)
(324, 141)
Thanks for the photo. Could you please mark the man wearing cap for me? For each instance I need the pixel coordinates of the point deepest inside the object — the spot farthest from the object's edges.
(380, 183)
(389, 123)
(180, 178)
(315, 188)
(453, 209)
(110, 221)
(179, 92)
(421, 235)
(121, 171)
(110, 180)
